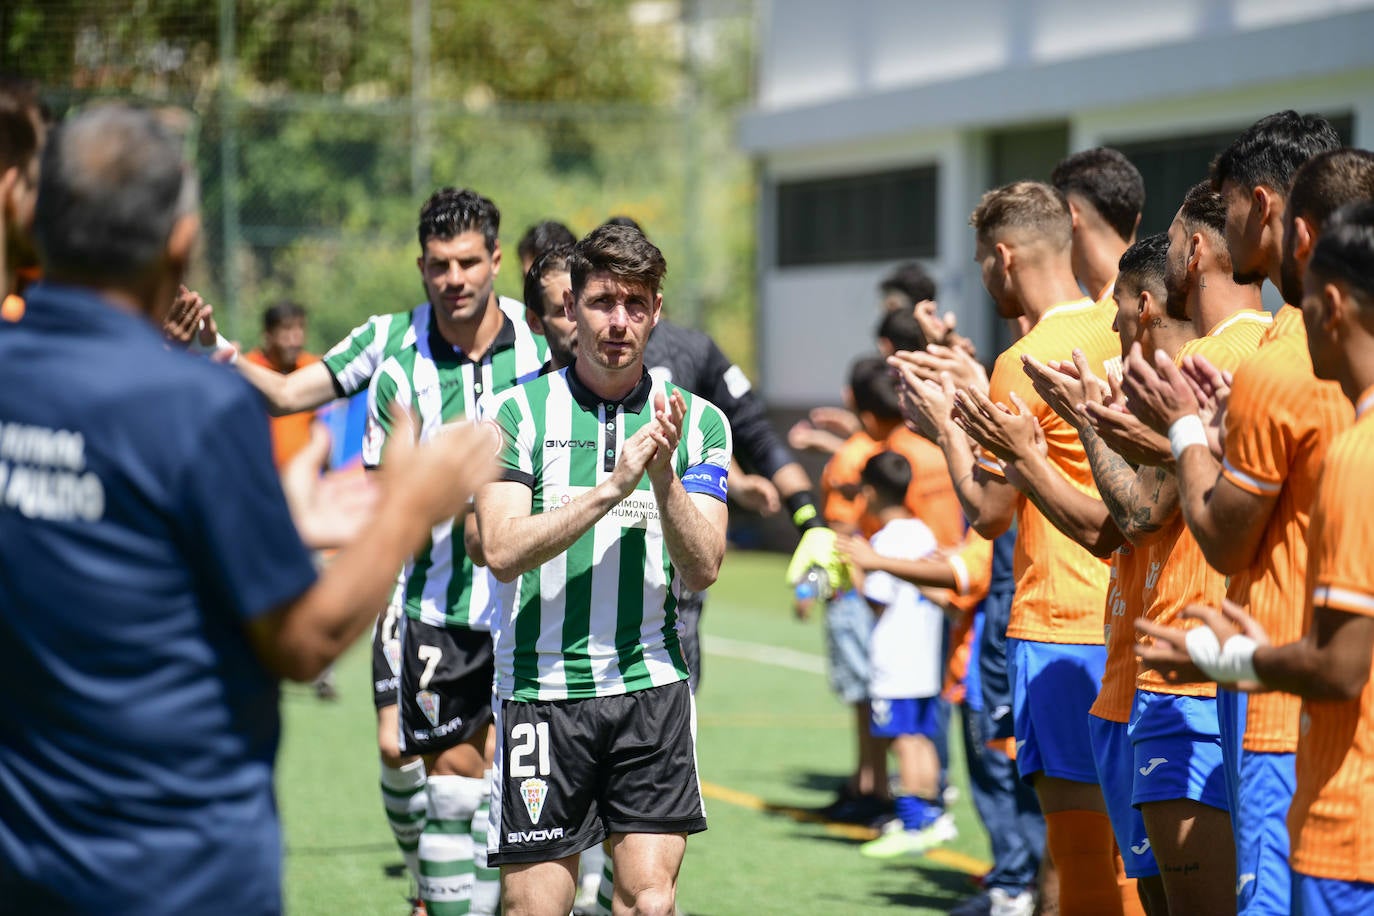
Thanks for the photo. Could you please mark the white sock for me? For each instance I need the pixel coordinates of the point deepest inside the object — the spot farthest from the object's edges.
(403, 796)
(446, 861)
(486, 885)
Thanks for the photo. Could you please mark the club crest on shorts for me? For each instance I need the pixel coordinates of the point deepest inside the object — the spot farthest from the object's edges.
(428, 702)
(534, 790)
(391, 649)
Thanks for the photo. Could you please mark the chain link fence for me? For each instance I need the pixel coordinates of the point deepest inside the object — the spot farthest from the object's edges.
(312, 194)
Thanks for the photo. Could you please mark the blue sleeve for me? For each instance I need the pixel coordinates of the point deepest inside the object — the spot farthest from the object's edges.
(245, 552)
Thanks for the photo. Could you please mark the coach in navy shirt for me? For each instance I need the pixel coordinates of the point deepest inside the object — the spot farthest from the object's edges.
(152, 586)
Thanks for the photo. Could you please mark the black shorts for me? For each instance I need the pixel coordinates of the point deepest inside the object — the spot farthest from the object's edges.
(386, 650)
(569, 773)
(446, 685)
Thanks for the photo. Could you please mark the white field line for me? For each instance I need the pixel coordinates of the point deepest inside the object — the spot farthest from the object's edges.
(763, 654)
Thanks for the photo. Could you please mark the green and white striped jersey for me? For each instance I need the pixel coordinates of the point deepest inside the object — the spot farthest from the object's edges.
(440, 384)
(600, 619)
(355, 359)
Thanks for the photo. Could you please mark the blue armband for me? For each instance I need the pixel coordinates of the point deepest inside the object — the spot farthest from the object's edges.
(706, 478)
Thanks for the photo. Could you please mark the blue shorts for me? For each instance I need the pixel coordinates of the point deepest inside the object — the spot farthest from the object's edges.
(1116, 772)
(1177, 750)
(1263, 879)
(1054, 685)
(848, 629)
(1231, 706)
(907, 716)
(1330, 897)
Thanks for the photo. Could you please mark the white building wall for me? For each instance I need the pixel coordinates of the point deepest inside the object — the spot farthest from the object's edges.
(877, 84)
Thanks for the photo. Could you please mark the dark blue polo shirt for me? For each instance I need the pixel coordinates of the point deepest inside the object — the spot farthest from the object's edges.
(142, 525)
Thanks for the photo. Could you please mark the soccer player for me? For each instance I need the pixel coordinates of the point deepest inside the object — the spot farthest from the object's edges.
(1105, 194)
(152, 587)
(1329, 664)
(283, 351)
(612, 501)
(473, 351)
(546, 280)
(1249, 515)
(539, 238)
(1024, 233)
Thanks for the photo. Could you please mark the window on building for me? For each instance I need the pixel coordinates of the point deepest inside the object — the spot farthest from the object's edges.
(879, 216)
(1172, 165)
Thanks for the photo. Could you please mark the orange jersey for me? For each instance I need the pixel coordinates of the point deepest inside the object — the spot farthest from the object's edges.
(1060, 586)
(841, 504)
(1124, 604)
(290, 433)
(1177, 573)
(1286, 320)
(972, 567)
(931, 496)
(1279, 423)
(1331, 820)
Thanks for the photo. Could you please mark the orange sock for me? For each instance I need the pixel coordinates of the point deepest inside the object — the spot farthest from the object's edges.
(1130, 893)
(1082, 846)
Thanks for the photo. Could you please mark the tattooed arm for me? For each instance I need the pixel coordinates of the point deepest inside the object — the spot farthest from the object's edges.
(1141, 501)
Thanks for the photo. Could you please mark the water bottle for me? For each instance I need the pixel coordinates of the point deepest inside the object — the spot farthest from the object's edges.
(815, 585)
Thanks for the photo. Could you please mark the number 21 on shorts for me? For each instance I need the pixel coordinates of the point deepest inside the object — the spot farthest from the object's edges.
(529, 739)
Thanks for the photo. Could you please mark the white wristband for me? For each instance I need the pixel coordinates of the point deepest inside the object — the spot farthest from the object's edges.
(1205, 650)
(1184, 432)
(1225, 664)
(1238, 659)
(220, 346)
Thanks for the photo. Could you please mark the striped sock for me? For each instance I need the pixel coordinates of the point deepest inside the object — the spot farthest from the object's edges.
(606, 893)
(486, 886)
(446, 866)
(403, 796)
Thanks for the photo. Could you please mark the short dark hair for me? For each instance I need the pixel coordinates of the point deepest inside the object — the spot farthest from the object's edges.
(450, 212)
(622, 220)
(911, 280)
(553, 260)
(1142, 266)
(1270, 151)
(903, 330)
(1345, 251)
(621, 251)
(873, 387)
(1204, 210)
(889, 474)
(114, 181)
(542, 236)
(1329, 181)
(280, 313)
(1024, 205)
(1106, 179)
(21, 119)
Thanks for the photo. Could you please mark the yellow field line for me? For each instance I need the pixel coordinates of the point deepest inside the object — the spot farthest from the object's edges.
(957, 860)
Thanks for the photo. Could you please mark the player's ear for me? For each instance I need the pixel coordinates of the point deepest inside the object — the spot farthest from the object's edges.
(569, 305)
(1004, 256)
(1303, 239)
(1195, 252)
(1335, 305)
(658, 307)
(495, 258)
(535, 323)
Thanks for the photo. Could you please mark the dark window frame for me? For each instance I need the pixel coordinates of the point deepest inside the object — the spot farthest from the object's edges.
(886, 215)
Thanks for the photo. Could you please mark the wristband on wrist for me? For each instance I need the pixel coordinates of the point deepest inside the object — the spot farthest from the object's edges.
(802, 505)
(1238, 659)
(1205, 650)
(1185, 432)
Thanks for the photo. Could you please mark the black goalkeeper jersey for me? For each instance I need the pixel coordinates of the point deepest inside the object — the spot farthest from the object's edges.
(691, 360)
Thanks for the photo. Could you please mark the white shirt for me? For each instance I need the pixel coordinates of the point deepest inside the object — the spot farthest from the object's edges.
(904, 653)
